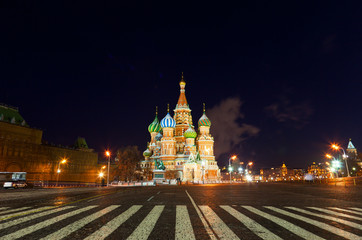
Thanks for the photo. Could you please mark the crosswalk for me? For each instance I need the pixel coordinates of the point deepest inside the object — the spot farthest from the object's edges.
(190, 222)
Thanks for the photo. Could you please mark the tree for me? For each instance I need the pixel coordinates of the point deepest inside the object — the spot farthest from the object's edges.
(128, 163)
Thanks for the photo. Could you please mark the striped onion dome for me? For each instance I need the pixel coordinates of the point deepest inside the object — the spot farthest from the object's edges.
(204, 121)
(190, 133)
(147, 153)
(158, 136)
(168, 122)
(154, 126)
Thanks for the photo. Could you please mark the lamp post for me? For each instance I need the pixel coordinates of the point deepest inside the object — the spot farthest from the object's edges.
(344, 156)
(108, 154)
(58, 170)
(101, 175)
(230, 168)
(241, 173)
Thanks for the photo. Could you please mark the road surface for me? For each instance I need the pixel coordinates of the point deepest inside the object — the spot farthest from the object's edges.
(244, 211)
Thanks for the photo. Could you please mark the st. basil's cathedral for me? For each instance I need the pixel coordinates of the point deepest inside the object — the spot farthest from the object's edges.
(177, 150)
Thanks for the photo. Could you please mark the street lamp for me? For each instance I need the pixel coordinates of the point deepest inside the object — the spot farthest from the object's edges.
(101, 174)
(240, 169)
(230, 168)
(344, 156)
(108, 154)
(247, 166)
(58, 170)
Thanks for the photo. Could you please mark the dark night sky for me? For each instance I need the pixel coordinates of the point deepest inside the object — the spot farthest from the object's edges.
(291, 71)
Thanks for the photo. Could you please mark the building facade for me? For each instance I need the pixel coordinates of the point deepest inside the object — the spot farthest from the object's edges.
(22, 150)
(281, 174)
(177, 148)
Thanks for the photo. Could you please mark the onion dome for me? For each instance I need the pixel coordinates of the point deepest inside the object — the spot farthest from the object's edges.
(158, 136)
(147, 153)
(190, 133)
(155, 125)
(204, 120)
(168, 121)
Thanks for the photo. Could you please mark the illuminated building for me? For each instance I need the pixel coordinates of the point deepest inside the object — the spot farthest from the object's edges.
(281, 174)
(318, 170)
(177, 148)
(354, 160)
(23, 150)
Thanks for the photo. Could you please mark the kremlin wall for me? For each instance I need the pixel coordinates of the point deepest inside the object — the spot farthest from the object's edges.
(22, 150)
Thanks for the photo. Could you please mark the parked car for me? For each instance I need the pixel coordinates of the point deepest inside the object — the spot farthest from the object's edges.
(15, 184)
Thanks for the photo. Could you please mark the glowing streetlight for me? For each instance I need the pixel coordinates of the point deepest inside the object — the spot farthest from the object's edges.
(101, 174)
(336, 164)
(230, 168)
(58, 171)
(344, 156)
(249, 178)
(108, 154)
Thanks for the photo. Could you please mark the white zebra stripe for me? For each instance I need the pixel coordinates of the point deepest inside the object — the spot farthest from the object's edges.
(43, 224)
(219, 227)
(335, 213)
(146, 226)
(3, 208)
(345, 222)
(255, 227)
(357, 209)
(65, 231)
(183, 228)
(285, 224)
(112, 225)
(346, 210)
(13, 210)
(206, 225)
(5, 217)
(313, 222)
(31, 217)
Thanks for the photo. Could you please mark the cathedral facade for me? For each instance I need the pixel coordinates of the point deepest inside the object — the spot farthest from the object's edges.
(177, 149)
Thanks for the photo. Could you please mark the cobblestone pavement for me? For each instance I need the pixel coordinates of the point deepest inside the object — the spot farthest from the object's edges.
(245, 211)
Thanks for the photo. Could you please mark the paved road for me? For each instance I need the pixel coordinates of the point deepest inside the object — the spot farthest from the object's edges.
(248, 211)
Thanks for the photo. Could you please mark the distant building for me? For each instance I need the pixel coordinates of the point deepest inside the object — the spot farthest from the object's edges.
(318, 170)
(22, 150)
(354, 159)
(281, 174)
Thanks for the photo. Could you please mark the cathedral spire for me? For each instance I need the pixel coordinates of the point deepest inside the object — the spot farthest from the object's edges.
(350, 144)
(182, 102)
